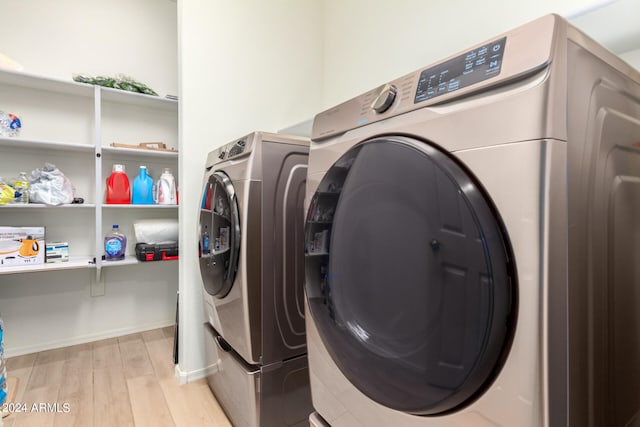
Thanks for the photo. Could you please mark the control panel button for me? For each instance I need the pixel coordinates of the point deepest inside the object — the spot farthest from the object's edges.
(222, 154)
(385, 98)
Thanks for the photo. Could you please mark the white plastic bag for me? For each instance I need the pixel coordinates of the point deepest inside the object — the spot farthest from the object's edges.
(156, 231)
(50, 186)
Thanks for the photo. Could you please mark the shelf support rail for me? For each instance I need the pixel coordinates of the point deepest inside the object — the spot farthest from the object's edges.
(97, 286)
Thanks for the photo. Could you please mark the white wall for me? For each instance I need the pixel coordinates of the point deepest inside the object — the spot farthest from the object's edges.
(96, 37)
(245, 65)
(369, 42)
(54, 309)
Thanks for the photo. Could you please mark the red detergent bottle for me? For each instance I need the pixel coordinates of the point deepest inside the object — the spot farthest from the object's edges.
(118, 189)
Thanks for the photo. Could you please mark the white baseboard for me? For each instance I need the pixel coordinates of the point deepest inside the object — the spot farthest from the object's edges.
(82, 339)
(187, 377)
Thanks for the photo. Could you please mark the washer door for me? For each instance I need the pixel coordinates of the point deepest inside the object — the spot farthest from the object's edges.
(409, 276)
(219, 235)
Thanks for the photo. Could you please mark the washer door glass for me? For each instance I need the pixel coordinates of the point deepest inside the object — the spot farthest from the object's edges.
(219, 235)
(409, 276)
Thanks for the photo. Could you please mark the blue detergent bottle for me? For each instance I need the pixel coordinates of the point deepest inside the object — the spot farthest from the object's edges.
(142, 188)
(115, 244)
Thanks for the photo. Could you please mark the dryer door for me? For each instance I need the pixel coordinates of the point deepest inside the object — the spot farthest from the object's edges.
(219, 235)
(409, 276)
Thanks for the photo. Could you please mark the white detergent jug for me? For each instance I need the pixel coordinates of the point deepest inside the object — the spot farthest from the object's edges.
(166, 188)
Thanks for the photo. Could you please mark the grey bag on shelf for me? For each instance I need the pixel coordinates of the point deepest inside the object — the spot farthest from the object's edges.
(50, 186)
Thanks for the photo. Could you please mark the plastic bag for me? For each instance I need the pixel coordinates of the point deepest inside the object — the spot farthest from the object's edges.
(50, 186)
(7, 193)
(156, 231)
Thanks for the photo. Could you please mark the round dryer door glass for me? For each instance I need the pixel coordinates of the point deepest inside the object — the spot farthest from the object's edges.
(409, 276)
(219, 235)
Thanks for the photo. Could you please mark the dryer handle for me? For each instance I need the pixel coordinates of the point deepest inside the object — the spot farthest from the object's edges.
(226, 348)
(222, 344)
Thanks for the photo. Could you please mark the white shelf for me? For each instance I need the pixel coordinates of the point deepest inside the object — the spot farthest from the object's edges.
(130, 206)
(32, 81)
(145, 115)
(134, 98)
(73, 263)
(128, 260)
(120, 151)
(70, 87)
(42, 144)
(43, 206)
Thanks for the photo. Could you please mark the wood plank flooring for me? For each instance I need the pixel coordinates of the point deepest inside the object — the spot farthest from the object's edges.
(125, 381)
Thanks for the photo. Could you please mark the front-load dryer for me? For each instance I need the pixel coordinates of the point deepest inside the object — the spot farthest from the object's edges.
(252, 264)
(472, 236)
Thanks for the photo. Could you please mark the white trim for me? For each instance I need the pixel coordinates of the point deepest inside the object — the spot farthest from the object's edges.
(82, 339)
(187, 377)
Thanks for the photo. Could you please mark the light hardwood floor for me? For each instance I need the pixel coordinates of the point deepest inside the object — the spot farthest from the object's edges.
(125, 381)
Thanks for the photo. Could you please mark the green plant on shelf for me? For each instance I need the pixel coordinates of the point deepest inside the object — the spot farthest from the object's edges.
(120, 81)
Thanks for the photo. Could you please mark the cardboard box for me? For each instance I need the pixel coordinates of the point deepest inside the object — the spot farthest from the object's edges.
(57, 252)
(21, 246)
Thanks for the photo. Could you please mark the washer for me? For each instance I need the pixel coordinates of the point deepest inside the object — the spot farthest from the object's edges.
(472, 237)
(252, 259)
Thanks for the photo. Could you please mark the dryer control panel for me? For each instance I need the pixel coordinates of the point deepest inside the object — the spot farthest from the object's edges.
(464, 70)
(233, 149)
(483, 66)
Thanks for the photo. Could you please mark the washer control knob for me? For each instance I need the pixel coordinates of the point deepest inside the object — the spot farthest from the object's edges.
(385, 98)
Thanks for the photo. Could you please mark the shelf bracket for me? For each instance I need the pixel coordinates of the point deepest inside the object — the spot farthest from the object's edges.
(97, 283)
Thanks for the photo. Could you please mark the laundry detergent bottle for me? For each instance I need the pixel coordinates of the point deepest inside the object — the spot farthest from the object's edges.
(115, 244)
(142, 188)
(118, 189)
(166, 188)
